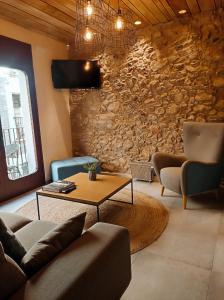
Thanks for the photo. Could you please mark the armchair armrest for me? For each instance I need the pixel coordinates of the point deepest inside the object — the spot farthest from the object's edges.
(162, 160)
(198, 177)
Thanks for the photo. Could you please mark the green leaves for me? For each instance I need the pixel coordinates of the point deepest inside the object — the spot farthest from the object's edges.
(91, 166)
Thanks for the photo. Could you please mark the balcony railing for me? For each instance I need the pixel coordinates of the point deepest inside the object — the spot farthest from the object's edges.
(16, 152)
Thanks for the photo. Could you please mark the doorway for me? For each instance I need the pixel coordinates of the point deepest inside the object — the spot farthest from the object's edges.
(21, 162)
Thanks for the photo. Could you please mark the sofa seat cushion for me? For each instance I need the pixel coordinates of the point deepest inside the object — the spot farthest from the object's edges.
(32, 232)
(52, 243)
(170, 178)
(14, 221)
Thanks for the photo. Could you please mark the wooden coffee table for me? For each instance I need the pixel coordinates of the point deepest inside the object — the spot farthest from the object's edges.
(91, 192)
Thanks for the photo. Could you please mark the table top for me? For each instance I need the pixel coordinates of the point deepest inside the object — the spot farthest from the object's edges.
(91, 192)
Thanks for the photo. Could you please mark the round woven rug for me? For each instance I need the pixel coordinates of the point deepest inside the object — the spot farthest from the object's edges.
(145, 220)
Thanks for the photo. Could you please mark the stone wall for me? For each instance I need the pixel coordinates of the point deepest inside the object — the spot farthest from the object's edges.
(174, 72)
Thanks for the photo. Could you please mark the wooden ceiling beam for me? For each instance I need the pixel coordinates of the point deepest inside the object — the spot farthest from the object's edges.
(162, 9)
(137, 7)
(25, 24)
(178, 5)
(33, 12)
(155, 10)
(168, 8)
(63, 5)
(51, 11)
(206, 5)
(193, 6)
(218, 4)
(26, 20)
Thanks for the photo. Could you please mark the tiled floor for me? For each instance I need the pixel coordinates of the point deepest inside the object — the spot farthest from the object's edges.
(14, 204)
(187, 261)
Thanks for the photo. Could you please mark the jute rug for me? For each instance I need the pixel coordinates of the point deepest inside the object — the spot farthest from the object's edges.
(145, 220)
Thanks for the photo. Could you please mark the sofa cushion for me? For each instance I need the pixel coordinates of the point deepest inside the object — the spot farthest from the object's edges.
(11, 244)
(170, 178)
(52, 243)
(11, 276)
(32, 232)
(14, 221)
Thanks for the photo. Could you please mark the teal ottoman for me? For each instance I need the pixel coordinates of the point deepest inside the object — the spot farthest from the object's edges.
(61, 169)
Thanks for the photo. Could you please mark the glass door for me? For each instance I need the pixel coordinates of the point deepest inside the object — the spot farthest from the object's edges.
(17, 124)
(20, 147)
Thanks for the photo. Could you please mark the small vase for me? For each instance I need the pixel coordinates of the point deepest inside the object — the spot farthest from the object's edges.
(92, 175)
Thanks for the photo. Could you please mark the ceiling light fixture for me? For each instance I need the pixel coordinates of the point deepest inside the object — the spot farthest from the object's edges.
(182, 11)
(138, 22)
(99, 27)
(119, 23)
(88, 35)
(89, 9)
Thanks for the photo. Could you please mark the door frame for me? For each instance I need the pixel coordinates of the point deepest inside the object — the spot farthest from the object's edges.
(18, 55)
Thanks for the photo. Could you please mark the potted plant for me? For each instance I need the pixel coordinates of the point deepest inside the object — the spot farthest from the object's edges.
(91, 168)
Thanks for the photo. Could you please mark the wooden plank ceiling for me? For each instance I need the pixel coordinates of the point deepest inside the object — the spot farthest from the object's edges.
(56, 18)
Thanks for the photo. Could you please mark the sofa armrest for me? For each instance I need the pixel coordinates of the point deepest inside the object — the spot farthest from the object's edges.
(198, 177)
(96, 266)
(162, 160)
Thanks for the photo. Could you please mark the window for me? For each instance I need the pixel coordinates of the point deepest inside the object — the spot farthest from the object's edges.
(17, 123)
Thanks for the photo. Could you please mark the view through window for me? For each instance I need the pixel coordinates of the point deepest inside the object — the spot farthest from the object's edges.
(17, 124)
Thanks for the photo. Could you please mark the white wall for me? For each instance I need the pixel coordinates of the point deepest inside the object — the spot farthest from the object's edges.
(53, 105)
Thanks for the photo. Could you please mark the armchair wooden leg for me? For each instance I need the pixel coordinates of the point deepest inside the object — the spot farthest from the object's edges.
(184, 201)
(162, 190)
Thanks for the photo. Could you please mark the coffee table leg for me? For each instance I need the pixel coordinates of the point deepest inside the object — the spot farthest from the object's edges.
(132, 195)
(98, 213)
(38, 208)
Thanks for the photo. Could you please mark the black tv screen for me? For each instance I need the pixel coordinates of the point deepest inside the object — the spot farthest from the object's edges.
(72, 74)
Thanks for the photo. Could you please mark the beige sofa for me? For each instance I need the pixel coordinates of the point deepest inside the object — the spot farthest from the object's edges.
(96, 266)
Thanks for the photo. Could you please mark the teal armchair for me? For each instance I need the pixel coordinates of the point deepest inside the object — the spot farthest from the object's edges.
(200, 168)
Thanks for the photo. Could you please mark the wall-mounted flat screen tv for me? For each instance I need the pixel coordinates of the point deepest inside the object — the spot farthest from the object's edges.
(75, 74)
